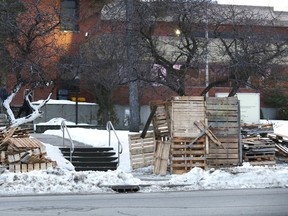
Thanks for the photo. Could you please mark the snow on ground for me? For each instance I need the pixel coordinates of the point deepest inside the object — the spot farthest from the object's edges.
(64, 179)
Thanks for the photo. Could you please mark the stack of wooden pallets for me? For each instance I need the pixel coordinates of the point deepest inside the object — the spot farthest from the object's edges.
(22, 154)
(186, 155)
(259, 151)
(223, 115)
(193, 132)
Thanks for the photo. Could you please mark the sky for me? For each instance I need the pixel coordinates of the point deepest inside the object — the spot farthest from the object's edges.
(279, 5)
(64, 180)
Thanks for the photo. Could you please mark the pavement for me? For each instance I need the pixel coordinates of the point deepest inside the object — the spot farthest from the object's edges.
(57, 141)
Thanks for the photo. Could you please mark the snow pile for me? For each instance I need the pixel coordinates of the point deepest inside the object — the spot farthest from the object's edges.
(59, 181)
(245, 176)
(65, 180)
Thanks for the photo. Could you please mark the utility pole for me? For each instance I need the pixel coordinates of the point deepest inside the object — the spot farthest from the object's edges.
(132, 72)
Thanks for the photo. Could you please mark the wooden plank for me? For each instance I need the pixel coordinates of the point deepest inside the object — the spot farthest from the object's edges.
(174, 159)
(223, 156)
(24, 168)
(161, 157)
(223, 151)
(208, 132)
(234, 162)
(2, 156)
(193, 147)
(148, 122)
(17, 168)
(43, 166)
(191, 152)
(30, 167)
(36, 166)
(140, 150)
(11, 168)
(188, 98)
(223, 100)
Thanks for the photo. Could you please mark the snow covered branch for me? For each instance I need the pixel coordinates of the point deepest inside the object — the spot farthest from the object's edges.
(15, 122)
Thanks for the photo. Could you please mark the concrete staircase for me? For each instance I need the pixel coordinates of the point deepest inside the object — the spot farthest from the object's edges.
(95, 159)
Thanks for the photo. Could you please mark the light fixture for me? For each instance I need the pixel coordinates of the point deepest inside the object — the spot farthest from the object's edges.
(177, 32)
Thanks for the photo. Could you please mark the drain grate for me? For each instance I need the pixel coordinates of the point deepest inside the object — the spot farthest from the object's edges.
(125, 188)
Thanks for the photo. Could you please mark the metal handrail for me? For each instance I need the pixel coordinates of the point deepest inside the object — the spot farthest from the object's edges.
(110, 126)
(72, 147)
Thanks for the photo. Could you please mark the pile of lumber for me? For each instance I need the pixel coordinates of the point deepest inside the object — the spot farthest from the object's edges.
(281, 146)
(253, 130)
(259, 151)
(20, 153)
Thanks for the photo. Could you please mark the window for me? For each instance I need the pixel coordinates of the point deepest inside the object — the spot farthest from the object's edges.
(69, 15)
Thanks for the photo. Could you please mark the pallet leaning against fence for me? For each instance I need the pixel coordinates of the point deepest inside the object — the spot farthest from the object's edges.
(141, 150)
(223, 114)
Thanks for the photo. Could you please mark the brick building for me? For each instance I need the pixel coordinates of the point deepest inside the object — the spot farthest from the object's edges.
(87, 14)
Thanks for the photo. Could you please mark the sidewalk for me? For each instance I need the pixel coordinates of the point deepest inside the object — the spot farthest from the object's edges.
(57, 141)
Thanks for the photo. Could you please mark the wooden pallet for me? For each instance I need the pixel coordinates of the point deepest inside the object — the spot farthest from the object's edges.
(183, 159)
(185, 111)
(223, 114)
(162, 119)
(162, 154)
(141, 150)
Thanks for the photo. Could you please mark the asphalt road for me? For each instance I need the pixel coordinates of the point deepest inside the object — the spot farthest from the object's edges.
(272, 202)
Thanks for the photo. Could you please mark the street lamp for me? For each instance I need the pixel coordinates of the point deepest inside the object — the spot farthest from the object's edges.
(77, 89)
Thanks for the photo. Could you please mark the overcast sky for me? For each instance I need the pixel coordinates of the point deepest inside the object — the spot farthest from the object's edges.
(279, 5)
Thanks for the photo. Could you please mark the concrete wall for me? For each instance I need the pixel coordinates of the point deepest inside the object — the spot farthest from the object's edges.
(87, 113)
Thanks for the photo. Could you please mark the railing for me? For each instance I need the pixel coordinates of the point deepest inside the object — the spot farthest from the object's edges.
(63, 128)
(110, 126)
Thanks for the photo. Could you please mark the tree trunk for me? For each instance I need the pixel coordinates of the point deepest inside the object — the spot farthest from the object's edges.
(133, 85)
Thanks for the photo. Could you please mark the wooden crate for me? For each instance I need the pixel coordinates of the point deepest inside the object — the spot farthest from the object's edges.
(183, 159)
(185, 111)
(141, 150)
(162, 154)
(223, 114)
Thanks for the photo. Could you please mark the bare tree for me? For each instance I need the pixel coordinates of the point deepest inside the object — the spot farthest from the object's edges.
(249, 46)
(103, 70)
(28, 48)
(173, 35)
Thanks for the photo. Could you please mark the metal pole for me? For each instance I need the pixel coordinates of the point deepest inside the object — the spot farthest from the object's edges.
(76, 108)
(207, 59)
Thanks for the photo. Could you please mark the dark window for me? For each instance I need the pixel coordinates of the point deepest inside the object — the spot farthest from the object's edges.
(69, 15)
